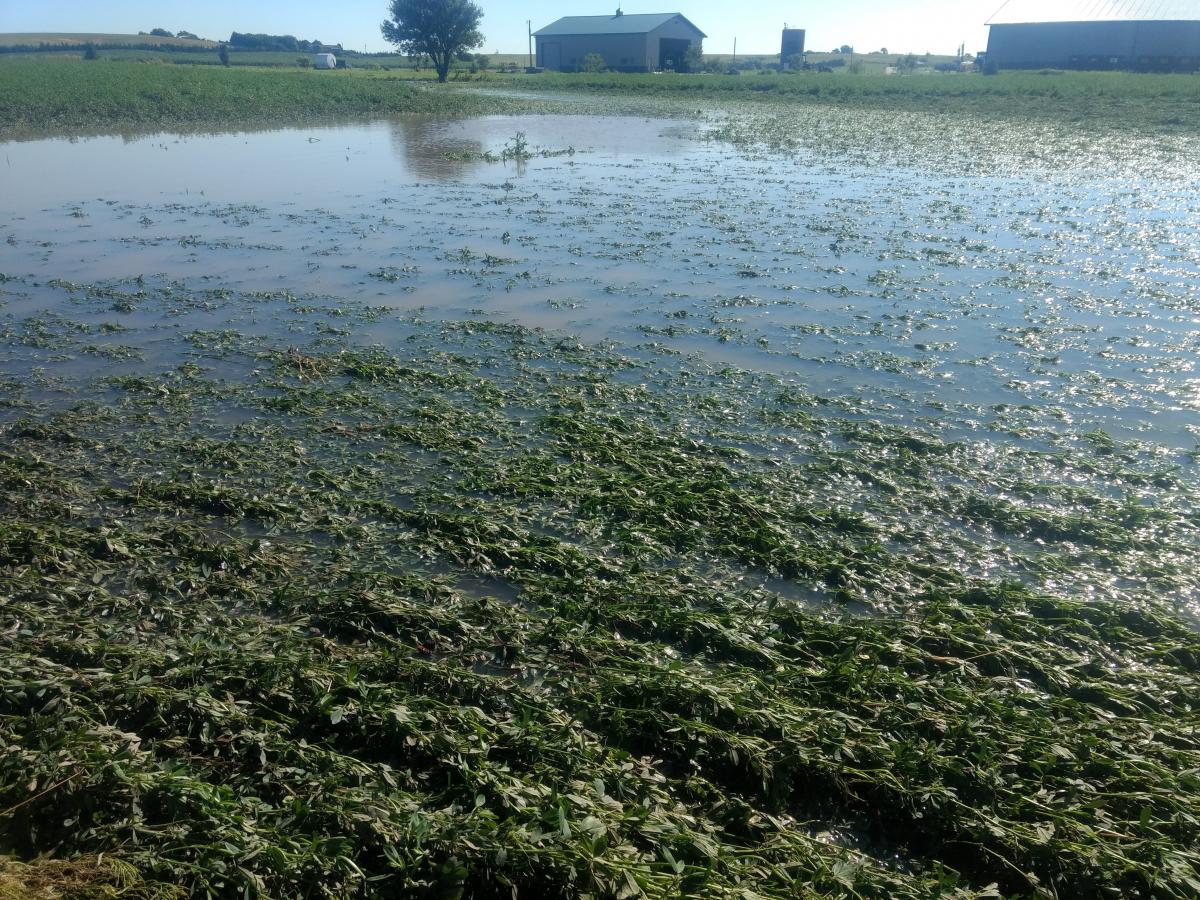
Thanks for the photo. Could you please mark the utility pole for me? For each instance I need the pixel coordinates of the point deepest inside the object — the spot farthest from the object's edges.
(529, 25)
(735, 51)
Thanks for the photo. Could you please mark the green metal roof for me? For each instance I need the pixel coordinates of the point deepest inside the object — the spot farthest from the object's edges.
(623, 24)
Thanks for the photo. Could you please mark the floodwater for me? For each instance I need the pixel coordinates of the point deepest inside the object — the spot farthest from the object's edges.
(1052, 299)
(839, 377)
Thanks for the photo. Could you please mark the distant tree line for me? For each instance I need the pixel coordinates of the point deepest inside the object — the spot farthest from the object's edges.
(278, 42)
(152, 40)
(47, 47)
(162, 32)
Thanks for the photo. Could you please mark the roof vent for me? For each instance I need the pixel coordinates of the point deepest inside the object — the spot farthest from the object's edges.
(619, 13)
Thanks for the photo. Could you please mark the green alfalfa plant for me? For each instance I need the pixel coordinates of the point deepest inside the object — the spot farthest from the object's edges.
(593, 63)
(517, 148)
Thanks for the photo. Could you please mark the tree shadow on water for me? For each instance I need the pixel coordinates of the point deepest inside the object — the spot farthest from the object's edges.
(423, 147)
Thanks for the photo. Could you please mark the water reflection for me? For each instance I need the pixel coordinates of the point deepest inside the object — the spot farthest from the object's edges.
(454, 149)
(424, 149)
(968, 293)
(333, 160)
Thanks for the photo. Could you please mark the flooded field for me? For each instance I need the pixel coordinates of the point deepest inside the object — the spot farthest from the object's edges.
(1070, 302)
(622, 505)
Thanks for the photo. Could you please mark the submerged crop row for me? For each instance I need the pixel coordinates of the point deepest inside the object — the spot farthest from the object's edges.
(483, 610)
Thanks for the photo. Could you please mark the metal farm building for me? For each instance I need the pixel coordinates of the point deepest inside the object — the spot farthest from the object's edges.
(634, 43)
(1135, 35)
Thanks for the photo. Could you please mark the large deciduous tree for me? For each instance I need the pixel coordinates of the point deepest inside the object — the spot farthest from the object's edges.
(439, 29)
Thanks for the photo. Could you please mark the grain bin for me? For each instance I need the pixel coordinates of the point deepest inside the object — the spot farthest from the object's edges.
(792, 45)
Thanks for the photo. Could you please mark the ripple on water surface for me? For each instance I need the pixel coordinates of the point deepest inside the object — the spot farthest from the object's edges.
(1071, 296)
(1028, 313)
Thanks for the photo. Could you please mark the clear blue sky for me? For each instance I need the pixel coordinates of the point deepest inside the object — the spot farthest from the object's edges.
(934, 25)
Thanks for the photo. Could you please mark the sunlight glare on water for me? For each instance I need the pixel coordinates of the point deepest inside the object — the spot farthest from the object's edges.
(1060, 297)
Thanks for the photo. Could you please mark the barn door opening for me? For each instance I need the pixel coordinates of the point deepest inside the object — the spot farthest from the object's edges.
(672, 54)
(552, 56)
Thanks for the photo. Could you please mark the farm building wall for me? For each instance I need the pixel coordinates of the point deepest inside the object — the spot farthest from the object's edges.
(636, 52)
(566, 52)
(1137, 45)
(678, 30)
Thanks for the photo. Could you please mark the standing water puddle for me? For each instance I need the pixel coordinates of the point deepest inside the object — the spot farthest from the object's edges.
(1030, 317)
(1072, 299)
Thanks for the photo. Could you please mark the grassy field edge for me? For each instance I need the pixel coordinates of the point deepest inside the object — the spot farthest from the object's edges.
(49, 97)
(53, 96)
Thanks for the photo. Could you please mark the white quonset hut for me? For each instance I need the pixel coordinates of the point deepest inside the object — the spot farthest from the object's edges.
(1136, 35)
(633, 43)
